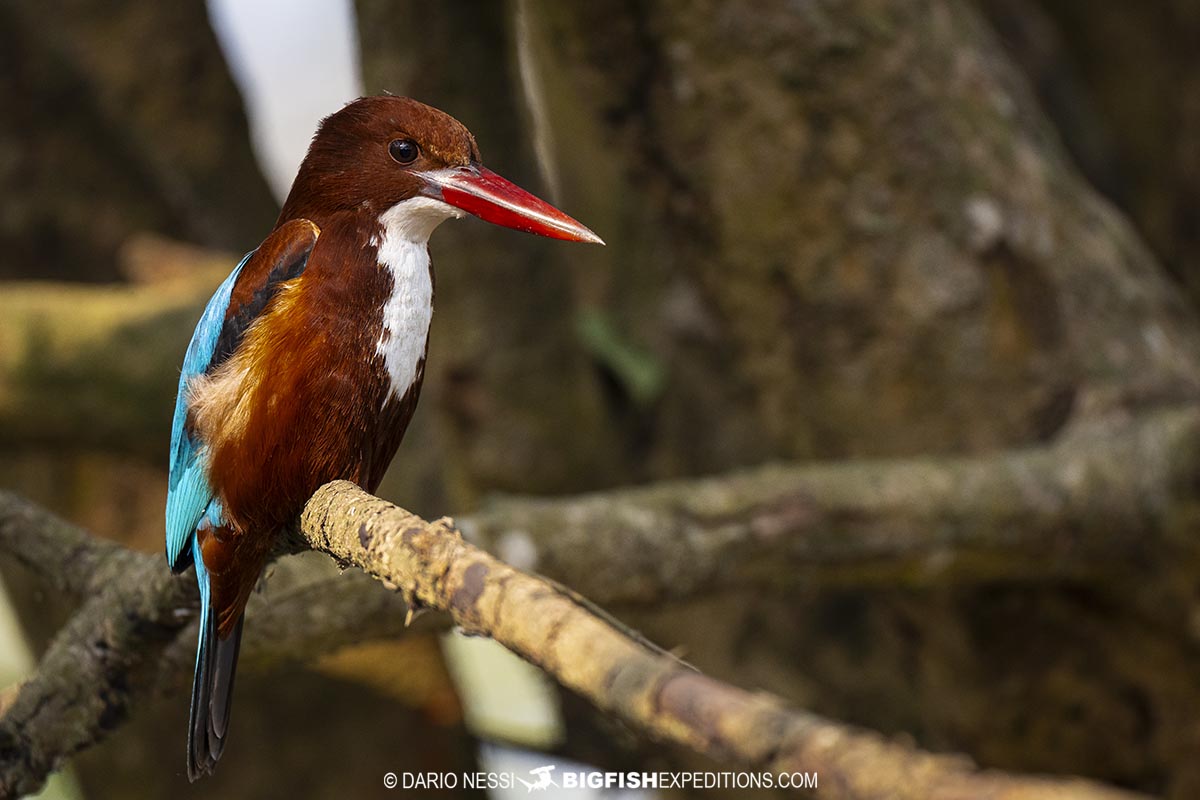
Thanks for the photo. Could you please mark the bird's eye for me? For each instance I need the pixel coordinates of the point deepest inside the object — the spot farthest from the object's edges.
(404, 151)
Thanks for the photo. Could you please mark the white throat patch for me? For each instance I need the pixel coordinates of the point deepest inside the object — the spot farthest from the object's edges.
(404, 251)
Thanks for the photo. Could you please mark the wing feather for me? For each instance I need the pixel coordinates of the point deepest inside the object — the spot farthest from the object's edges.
(238, 301)
(188, 492)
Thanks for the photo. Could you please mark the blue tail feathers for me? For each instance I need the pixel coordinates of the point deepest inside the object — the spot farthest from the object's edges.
(212, 687)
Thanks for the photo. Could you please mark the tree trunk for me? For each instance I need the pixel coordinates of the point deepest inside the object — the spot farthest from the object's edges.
(1133, 130)
(834, 230)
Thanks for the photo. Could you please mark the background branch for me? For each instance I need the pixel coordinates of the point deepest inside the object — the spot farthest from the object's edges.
(1077, 507)
(102, 659)
(1072, 508)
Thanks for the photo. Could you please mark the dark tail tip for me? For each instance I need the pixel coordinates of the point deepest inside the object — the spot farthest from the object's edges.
(212, 697)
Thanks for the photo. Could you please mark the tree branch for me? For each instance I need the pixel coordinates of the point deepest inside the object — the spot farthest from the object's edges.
(652, 692)
(134, 636)
(1074, 508)
(92, 670)
(105, 659)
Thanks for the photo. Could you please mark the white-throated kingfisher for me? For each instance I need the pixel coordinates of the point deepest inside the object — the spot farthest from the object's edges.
(306, 364)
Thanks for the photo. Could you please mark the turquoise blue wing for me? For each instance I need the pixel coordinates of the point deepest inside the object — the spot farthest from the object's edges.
(237, 302)
(188, 492)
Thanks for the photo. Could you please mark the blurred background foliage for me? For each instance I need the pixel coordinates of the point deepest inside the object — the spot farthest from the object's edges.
(836, 230)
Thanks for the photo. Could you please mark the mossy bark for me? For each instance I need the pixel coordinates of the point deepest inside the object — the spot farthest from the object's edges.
(838, 230)
(96, 668)
(1132, 130)
(835, 231)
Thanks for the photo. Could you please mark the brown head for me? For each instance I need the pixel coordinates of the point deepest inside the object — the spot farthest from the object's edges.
(377, 152)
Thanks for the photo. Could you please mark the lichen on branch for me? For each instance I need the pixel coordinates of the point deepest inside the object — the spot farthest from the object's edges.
(110, 656)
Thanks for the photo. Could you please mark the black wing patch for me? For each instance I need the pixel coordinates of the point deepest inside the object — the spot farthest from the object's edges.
(281, 257)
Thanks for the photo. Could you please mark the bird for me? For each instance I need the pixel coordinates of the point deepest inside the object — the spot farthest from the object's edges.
(306, 364)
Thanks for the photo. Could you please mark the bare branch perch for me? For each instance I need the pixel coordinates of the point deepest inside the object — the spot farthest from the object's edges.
(1077, 506)
(432, 565)
(124, 643)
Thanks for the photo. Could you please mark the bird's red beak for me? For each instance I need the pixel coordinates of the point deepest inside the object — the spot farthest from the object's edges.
(479, 191)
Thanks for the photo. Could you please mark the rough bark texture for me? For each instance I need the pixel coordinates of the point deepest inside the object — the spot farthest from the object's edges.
(651, 691)
(1107, 503)
(89, 676)
(1096, 506)
(1132, 130)
(837, 230)
(916, 276)
(130, 646)
(881, 250)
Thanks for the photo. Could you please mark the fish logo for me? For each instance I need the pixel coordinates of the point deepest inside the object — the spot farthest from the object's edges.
(544, 781)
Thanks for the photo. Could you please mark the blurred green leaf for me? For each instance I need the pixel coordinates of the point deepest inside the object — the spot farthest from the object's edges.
(640, 372)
